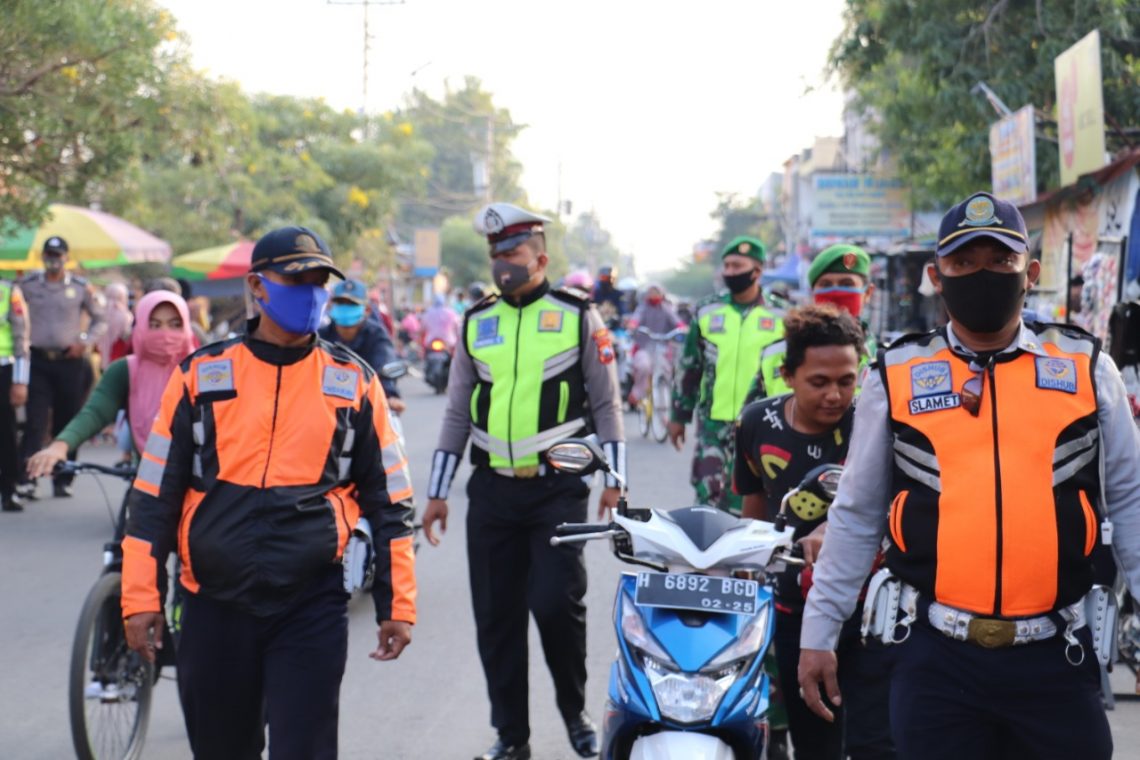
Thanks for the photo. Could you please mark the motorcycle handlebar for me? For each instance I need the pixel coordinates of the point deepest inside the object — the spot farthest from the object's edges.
(126, 472)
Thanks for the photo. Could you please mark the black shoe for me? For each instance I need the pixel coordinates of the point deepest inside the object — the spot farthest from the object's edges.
(26, 490)
(500, 750)
(61, 490)
(12, 503)
(583, 735)
(778, 744)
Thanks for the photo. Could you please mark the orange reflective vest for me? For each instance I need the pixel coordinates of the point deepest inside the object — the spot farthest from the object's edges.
(261, 461)
(994, 513)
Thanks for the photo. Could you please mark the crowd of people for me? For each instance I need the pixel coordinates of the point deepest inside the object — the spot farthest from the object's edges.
(992, 474)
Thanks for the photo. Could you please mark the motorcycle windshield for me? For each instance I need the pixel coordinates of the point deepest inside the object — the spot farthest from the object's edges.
(702, 525)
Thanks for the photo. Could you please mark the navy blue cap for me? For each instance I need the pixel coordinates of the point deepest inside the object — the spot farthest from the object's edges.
(982, 215)
(350, 290)
(55, 244)
(290, 250)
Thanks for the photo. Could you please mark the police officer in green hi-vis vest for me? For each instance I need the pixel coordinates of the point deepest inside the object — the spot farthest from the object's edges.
(14, 373)
(535, 366)
(717, 366)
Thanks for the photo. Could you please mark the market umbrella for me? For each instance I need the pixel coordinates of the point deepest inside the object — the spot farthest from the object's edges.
(95, 239)
(222, 262)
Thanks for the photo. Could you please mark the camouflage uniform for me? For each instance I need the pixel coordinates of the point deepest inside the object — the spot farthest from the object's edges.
(693, 391)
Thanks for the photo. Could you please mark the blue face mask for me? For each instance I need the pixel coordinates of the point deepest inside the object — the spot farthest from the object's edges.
(346, 314)
(294, 308)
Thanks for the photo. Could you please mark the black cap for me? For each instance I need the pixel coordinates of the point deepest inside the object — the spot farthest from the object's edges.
(982, 215)
(290, 250)
(55, 244)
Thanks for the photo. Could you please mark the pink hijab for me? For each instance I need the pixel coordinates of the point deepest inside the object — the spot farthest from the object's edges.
(155, 355)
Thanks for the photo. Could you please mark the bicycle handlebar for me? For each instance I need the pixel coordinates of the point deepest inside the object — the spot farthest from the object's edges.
(125, 472)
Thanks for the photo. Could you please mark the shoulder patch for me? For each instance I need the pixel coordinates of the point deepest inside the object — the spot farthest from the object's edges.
(1056, 374)
(605, 344)
(340, 381)
(483, 302)
(216, 375)
(575, 293)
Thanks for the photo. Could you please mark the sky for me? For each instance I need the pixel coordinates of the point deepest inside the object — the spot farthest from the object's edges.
(650, 109)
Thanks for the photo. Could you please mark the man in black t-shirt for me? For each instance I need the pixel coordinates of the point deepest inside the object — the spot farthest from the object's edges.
(778, 441)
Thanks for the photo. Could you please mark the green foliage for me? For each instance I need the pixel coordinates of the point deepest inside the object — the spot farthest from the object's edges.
(463, 251)
(80, 86)
(590, 245)
(465, 129)
(239, 166)
(912, 67)
(694, 280)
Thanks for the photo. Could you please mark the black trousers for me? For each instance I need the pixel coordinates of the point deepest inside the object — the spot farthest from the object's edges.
(515, 571)
(56, 394)
(953, 699)
(237, 672)
(10, 472)
(862, 729)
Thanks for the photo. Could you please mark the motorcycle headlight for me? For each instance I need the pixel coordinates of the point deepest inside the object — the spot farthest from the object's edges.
(747, 644)
(688, 697)
(637, 635)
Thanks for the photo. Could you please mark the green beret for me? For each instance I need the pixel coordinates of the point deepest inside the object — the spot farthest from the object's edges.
(841, 258)
(745, 245)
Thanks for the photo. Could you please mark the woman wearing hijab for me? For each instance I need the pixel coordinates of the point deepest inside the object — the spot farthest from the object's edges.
(160, 340)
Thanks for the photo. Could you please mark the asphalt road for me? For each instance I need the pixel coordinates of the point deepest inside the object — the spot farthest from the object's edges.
(431, 703)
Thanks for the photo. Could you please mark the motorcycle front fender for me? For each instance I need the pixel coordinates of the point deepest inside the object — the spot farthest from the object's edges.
(680, 745)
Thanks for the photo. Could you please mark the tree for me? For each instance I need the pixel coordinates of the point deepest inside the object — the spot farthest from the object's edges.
(590, 245)
(913, 72)
(235, 166)
(464, 252)
(473, 162)
(694, 280)
(80, 86)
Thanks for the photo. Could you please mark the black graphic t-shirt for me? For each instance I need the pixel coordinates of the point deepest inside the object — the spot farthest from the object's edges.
(772, 458)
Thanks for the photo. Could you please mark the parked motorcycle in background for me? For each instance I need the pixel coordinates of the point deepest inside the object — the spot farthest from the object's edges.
(437, 364)
(688, 681)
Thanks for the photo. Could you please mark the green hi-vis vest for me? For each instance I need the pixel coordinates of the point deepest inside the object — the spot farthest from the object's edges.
(733, 342)
(530, 392)
(773, 359)
(5, 326)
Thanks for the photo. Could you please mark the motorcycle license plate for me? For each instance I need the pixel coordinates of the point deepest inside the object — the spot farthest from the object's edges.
(696, 592)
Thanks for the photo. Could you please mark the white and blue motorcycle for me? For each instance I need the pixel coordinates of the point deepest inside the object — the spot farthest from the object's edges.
(692, 630)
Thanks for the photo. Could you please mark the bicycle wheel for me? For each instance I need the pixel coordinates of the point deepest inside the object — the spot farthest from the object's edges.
(645, 416)
(109, 686)
(660, 421)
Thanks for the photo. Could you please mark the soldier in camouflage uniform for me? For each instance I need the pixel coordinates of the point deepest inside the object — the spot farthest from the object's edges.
(840, 275)
(720, 360)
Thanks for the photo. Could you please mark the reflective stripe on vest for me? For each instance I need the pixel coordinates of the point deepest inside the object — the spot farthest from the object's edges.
(733, 342)
(5, 326)
(518, 353)
(994, 513)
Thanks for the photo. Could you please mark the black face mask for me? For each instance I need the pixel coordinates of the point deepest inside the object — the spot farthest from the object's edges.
(985, 301)
(509, 277)
(738, 283)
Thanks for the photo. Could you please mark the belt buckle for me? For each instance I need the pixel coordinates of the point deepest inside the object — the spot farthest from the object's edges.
(530, 471)
(991, 633)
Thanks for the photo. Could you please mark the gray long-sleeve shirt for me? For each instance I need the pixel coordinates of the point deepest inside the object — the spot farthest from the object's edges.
(857, 521)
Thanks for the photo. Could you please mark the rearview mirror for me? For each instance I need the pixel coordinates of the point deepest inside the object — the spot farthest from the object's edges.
(822, 481)
(577, 456)
(393, 370)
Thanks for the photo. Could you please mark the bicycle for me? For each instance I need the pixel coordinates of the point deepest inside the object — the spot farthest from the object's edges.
(653, 409)
(109, 686)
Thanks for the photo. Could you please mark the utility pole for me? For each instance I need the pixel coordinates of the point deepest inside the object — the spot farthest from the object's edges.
(367, 44)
